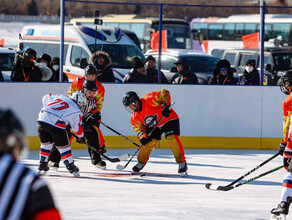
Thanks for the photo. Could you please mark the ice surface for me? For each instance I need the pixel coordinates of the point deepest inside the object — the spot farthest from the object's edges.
(162, 193)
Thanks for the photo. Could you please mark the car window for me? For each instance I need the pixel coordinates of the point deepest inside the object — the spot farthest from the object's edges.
(167, 63)
(202, 64)
(282, 61)
(77, 54)
(230, 57)
(246, 57)
(6, 61)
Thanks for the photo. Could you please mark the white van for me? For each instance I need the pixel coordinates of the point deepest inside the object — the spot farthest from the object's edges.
(80, 43)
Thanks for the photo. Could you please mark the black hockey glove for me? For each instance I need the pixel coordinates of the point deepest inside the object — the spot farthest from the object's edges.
(81, 140)
(282, 147)
(165, 110)
(96, 118)
(143, 138)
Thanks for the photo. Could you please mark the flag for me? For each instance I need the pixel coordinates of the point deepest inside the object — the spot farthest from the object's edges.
(2, 42)
(154, 42)
(205, 44)
(251, 41)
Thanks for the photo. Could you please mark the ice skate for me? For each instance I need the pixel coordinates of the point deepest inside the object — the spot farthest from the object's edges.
(182, 169)
(53, 165)
(280, 212)
(72, 168)
(43, 167)
(138, 167)
(101, 165)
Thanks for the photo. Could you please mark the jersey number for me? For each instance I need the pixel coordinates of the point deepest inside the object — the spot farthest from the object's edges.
(61, 103)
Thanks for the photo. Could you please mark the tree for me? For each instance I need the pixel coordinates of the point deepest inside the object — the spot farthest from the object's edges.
(32, 8)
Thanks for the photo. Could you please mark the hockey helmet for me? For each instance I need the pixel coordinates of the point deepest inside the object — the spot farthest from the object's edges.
(90, 70)
(79, 98)
(11, 132)
(130, 98)
(285, 81)
(89, 85)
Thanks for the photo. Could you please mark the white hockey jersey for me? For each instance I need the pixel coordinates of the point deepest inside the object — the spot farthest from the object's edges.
(59, 111)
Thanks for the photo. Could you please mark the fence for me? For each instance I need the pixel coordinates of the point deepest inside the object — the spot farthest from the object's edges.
(223, 31)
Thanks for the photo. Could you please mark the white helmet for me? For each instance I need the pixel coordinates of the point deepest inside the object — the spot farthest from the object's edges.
(79, 98)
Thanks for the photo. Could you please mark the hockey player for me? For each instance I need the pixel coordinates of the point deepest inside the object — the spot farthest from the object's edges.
(146, 112)
(59, 111)
(23, 195)
(285, 149)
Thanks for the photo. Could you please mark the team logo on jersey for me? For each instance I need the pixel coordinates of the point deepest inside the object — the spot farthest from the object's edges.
(150, 120)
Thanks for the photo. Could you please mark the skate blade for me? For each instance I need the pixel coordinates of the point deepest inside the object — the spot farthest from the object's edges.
(100, 167)
(42, 173)
(55, 169)
(76, 174)
(278, 217)
(184, 174)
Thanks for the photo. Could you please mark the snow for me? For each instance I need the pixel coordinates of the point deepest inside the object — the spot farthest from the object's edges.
(162, 193)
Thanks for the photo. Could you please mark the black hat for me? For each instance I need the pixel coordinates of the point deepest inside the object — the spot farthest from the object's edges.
(223, 64)
(250, 62)
(137, 63)
(150, 57)
(46, 57)
(183, 61)
(55, 60)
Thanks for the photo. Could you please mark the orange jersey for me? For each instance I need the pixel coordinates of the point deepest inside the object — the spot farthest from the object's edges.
(287, 109)
(99, 98)
(152, 111)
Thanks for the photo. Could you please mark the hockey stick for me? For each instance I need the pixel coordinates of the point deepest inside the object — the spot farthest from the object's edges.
(214, 187)
(119, 134)
(227, 188)
(113, 160)
(121, 167)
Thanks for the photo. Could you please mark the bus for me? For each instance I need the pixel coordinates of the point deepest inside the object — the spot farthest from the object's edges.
(178, 30)
(226, 33)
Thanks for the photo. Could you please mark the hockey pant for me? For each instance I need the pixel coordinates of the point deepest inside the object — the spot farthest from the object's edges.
(175, 146)
(49, 136)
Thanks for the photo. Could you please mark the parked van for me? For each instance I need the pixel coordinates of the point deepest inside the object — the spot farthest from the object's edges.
(277, 61)
(79, 44)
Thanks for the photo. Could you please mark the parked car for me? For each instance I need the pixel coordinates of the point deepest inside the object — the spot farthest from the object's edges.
(277, 61)
(6, 62)
(200, 63)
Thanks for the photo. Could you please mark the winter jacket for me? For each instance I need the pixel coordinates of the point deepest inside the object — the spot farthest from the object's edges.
(185, 77)
(135, 77)
(152, 75)
(27, 74)
(251, 78)
(106, 74)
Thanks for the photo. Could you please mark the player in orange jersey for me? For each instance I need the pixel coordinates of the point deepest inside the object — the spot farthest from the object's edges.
(285, 148)
(146, 112)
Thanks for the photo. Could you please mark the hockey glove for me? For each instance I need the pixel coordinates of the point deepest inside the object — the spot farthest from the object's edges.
(282, 147)
(81, 140)
(165, 110)
(143, 138)
(96, 118)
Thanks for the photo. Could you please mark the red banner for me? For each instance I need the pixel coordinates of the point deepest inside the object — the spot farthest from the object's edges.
(251, 41)
(154, 42)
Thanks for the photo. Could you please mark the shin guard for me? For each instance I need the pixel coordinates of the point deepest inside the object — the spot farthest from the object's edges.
(176, 148)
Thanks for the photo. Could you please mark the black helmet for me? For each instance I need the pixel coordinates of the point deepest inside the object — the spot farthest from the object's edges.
(90, 70)
(89, 85)
(130, 98)
(11, 131)
(286, 78)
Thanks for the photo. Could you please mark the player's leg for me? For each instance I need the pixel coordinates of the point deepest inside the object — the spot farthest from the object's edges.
(54, 158)
(101, 140)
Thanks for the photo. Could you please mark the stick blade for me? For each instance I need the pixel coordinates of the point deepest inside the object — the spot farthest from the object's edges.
(124, 157)
(218, 188)
(120, 167)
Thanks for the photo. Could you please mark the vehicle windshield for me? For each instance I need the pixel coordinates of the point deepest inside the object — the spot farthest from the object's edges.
(202, 64)
(6, 61)
(282, 61)
(121, 55)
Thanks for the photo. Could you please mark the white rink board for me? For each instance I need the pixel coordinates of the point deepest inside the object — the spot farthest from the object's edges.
(204, 110)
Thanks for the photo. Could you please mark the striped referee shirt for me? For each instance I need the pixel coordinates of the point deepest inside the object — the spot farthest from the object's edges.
(19, 188)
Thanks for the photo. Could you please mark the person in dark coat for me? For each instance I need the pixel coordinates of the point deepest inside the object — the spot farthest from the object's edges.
(138, 73)
(152, 72)
(222, 74)
(55, 67)
(184, 75)
(250, 74)
(101, 60)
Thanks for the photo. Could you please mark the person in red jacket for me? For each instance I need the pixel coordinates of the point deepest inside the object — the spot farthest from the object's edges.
(23, 194)
(285, 147)
(146, 113)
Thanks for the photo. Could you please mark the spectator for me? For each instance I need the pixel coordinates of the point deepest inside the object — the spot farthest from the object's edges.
(55, 67)
(222, 74)
(138, 74)
(1, 77)
(152, 72)
(25, 70)
(23, 194)
(184, 75)
(250, 74)
(102, 60)
(43, 63)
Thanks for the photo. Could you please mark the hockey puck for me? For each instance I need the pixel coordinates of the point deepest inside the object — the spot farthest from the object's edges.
(142, 174)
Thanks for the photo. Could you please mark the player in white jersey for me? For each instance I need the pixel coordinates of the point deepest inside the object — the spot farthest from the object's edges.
(59, 111)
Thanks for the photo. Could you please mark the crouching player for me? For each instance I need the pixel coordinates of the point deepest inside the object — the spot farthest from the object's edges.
(146, 112)
(59, 111)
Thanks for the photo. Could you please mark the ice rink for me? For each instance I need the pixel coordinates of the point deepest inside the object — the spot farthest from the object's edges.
(162, 193)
